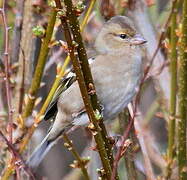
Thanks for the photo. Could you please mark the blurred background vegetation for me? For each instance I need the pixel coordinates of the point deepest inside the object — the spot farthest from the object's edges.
(157, 141)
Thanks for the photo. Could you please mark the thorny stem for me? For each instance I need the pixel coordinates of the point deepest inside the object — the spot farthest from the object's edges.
(182, 97)
(74, 25)
(173, 87)
(80, 161)
(104, 132)
(7, 70)
(61, 73)
(84, 78)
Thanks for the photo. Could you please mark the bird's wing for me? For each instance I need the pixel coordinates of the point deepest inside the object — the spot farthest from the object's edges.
(65, 83)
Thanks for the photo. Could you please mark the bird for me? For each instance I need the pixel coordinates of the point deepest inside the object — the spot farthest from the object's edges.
(116, 71)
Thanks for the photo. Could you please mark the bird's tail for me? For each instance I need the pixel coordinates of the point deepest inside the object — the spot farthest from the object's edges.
(40, 152)
(38, 155)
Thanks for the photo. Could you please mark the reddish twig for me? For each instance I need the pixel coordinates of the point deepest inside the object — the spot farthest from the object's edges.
(20, 162)
(121, 148)
(7, 69)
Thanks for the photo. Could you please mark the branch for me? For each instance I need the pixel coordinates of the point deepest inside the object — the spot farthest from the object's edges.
(80, 163)
(121, 148)
(7, 69)
(173, 91)
(84, 78)
(182, 103)
(124, 118)
(40, 66)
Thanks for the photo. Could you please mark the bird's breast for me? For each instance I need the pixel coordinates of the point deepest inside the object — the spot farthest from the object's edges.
(119, 87)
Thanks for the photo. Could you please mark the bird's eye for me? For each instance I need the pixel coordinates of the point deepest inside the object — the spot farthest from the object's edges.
(123, 36)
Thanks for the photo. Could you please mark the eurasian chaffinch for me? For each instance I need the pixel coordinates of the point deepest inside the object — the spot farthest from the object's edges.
(116, 71)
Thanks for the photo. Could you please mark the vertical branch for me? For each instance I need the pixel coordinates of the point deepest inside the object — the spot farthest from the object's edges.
(173, 91)
(7, 70)
(182, 103)
(94, 97)
(74, 25)
(40, 65)
(84, 78)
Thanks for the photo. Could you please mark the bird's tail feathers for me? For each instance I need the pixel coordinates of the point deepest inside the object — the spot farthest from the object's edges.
(40, 152)
(38, 155)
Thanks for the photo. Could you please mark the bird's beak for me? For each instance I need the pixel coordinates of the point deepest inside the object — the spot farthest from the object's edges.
(137, 40)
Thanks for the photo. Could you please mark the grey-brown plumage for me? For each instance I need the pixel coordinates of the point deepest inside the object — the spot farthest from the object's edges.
(116, 72)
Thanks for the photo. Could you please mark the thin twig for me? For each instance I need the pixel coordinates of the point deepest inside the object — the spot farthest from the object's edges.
(129, 162)
(128, 129)
(80, 161)
(7, 69)
(119, 152)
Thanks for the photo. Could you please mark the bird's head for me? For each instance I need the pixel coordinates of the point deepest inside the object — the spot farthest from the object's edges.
(118, 35)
